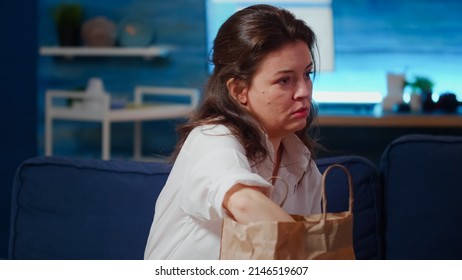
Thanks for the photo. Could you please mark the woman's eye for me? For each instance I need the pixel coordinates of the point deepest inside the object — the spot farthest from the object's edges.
(284, 81)
(309, 75)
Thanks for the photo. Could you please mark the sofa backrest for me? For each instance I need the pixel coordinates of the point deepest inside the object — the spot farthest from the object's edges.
(367, 207)
(422, 181)
(66, 208)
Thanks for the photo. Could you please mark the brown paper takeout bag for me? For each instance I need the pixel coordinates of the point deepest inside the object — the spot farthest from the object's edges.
(322, 236)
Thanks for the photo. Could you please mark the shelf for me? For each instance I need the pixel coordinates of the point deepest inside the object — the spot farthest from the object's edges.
(392, 120)
(146, 52)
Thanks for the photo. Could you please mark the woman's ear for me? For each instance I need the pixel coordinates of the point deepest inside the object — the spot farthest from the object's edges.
(237, 90)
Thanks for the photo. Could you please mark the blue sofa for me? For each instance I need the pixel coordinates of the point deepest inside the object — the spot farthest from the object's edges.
(422, 193)
(66, 208)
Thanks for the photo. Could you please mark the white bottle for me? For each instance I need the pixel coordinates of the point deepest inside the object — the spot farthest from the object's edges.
(95, 90)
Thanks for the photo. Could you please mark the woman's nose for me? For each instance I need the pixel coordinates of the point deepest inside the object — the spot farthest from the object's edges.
(304, 90)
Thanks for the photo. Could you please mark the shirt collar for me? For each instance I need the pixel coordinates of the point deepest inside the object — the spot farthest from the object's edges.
(295, 158)
(294, 163)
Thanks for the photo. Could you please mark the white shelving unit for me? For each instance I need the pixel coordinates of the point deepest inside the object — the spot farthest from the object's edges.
(146, 52)
(103, 114)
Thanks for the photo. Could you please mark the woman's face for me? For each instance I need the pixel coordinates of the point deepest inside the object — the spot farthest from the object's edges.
(279, 95)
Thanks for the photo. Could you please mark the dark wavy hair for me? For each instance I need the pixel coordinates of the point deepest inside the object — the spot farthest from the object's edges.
(240, 46)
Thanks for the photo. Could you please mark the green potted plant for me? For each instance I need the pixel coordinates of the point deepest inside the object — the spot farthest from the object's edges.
(424, 88)
(68, 18)
(421, 85)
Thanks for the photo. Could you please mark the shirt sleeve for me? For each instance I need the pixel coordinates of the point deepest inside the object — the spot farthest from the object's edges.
(217, 163)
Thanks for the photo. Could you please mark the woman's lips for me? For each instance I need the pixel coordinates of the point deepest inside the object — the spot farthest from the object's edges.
(301, 113)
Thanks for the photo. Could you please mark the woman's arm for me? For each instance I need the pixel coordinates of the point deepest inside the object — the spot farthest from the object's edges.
(249, 204)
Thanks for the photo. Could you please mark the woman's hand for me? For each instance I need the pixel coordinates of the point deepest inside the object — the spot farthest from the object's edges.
(249, 204)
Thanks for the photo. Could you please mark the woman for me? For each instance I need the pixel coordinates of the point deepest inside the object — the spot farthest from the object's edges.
(246, 151)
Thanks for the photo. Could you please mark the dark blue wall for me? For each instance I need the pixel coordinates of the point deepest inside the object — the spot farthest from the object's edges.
(18, 114)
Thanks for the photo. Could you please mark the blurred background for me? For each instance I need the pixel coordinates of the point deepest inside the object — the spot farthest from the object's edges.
(371, 39)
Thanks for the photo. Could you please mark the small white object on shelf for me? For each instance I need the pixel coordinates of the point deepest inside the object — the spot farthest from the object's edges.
(95, 92)
(147, 52)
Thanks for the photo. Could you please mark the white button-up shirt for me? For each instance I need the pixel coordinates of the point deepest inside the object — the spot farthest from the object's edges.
(188, 214)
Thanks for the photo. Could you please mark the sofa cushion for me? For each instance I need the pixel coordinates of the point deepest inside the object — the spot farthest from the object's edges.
(65, 208)
(367, 231)
(422, 182)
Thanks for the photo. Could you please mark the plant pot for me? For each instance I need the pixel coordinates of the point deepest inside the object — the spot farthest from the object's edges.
(69, 36)
(428, 105)
(416, 102)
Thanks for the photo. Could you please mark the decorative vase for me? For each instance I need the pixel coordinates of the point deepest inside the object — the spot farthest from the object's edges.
(99, 32)
(95, 90)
